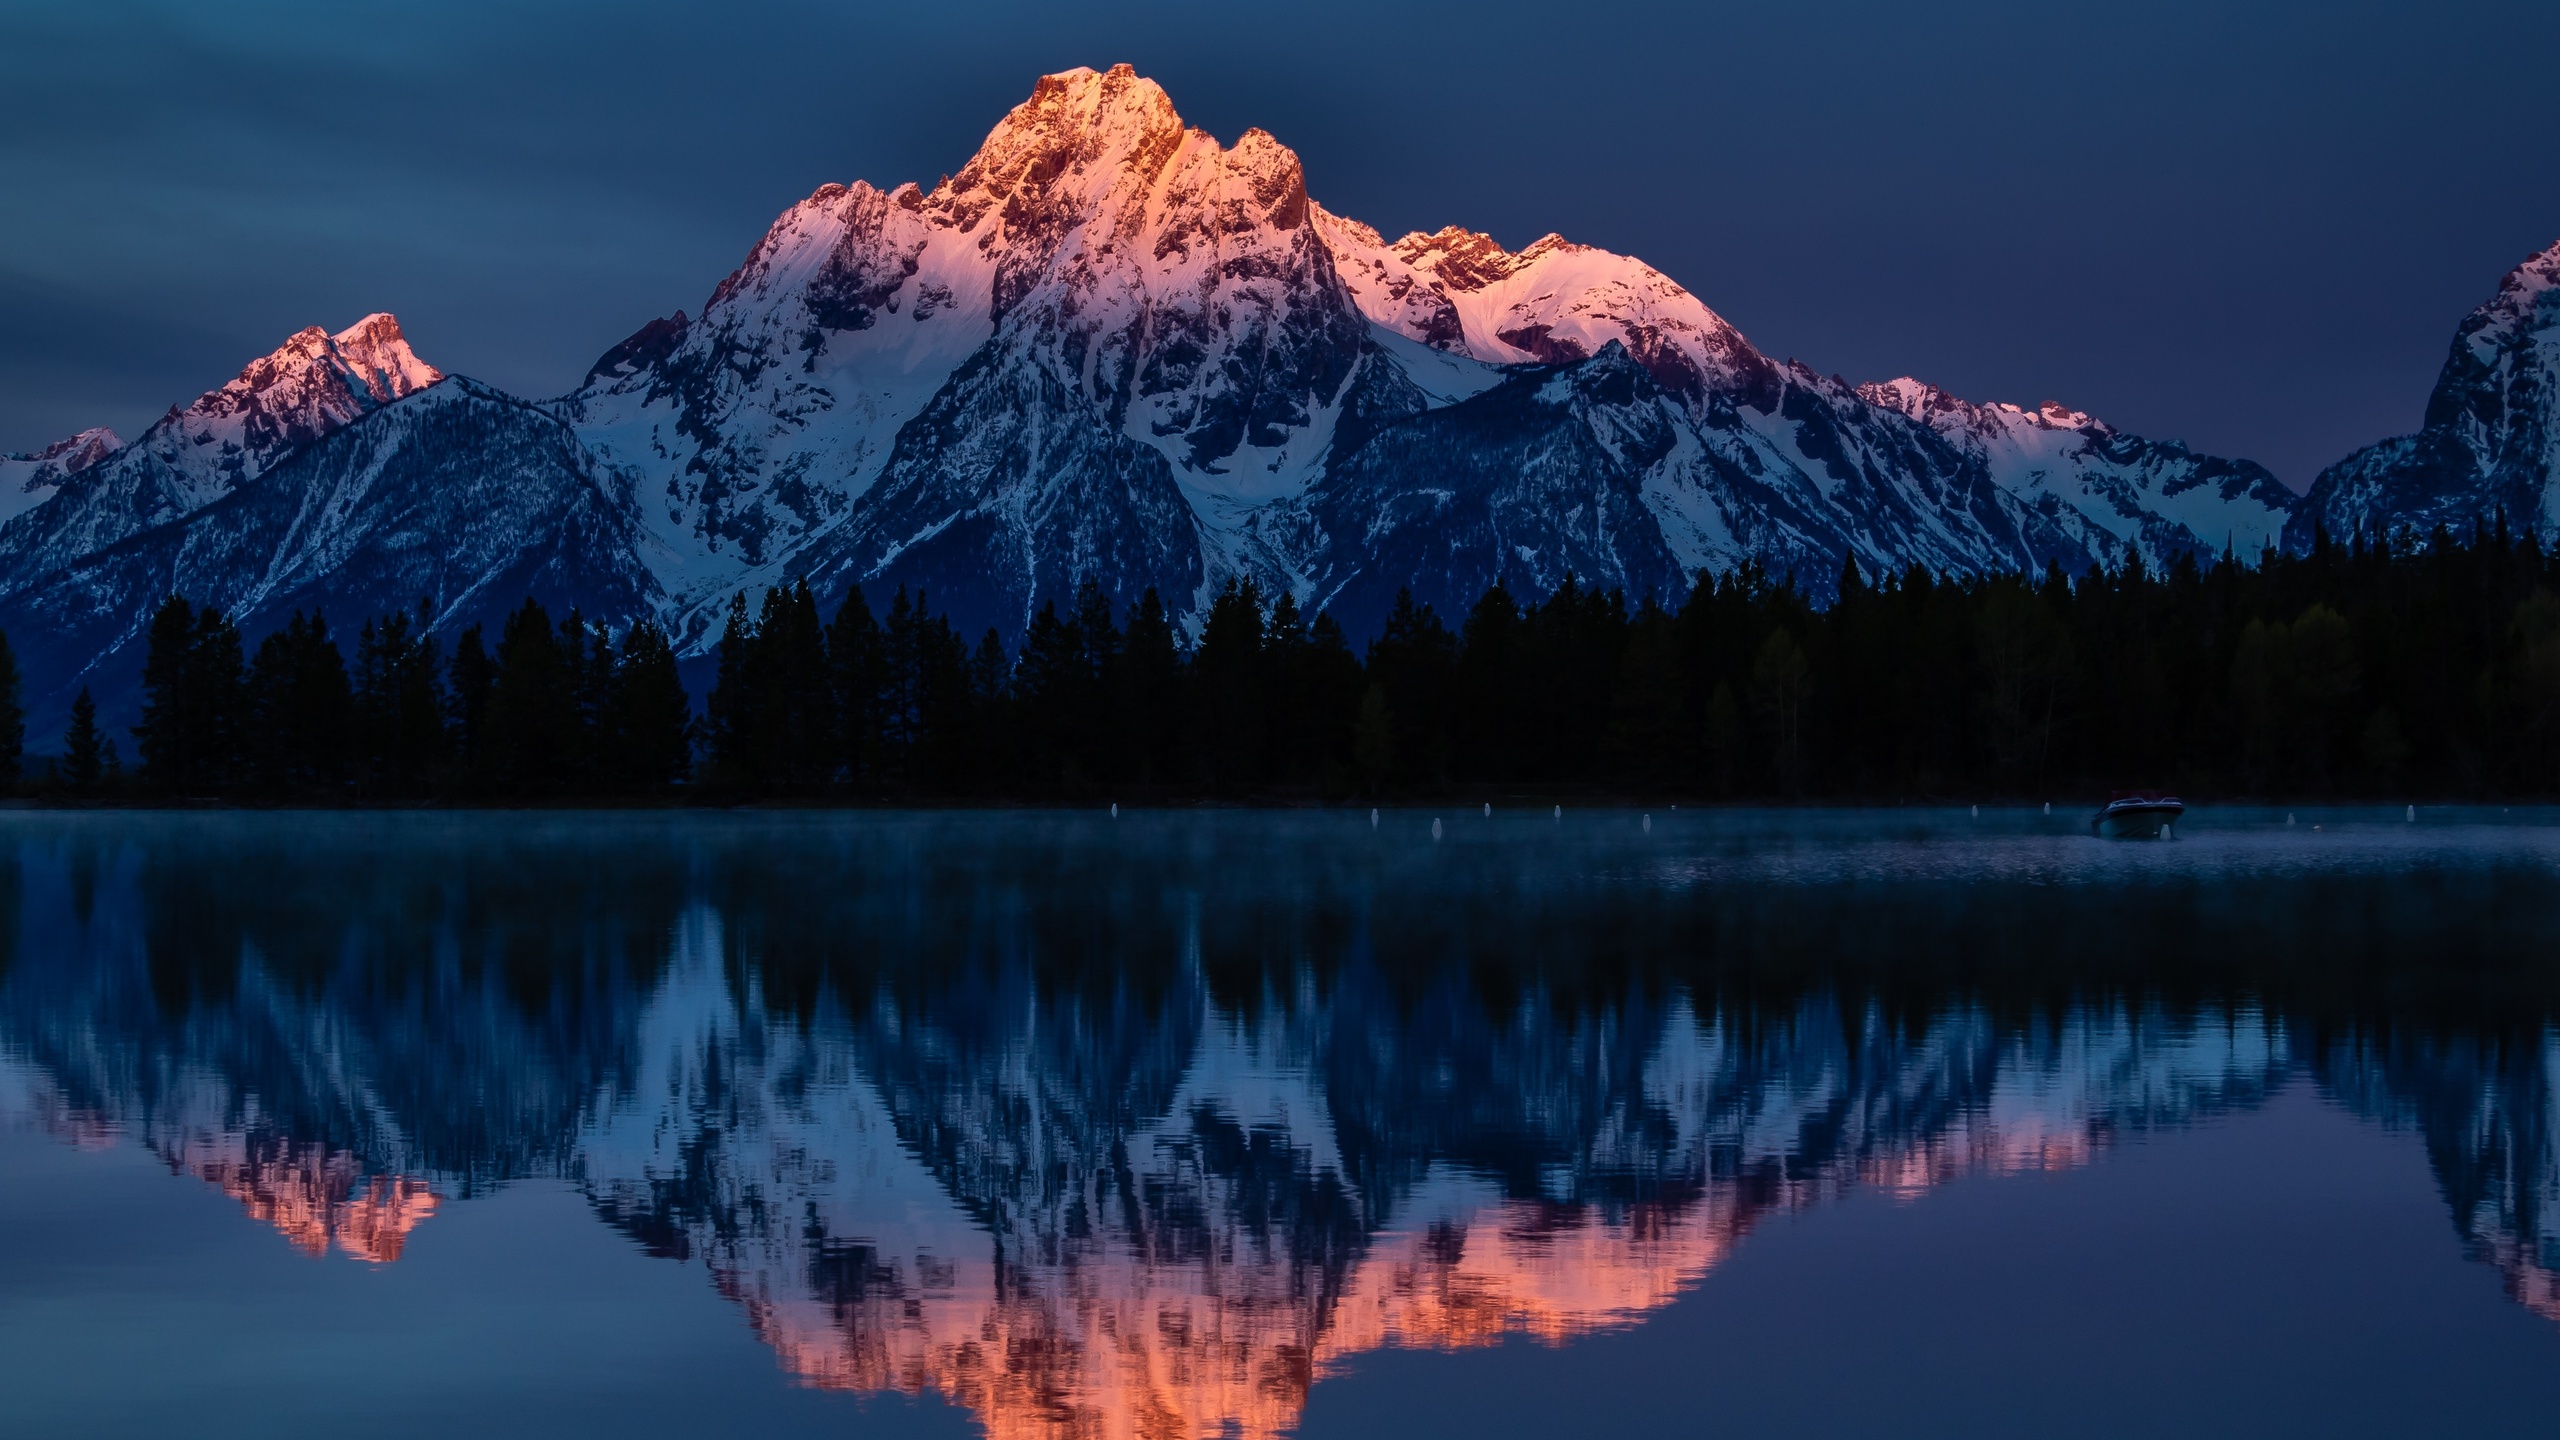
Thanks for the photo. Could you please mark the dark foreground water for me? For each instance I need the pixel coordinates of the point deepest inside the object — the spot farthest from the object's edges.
(1246, 1123)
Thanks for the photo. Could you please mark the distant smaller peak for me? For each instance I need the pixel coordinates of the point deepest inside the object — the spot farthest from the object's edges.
(642, 349)
(75, 453)
(61, 460)
(1904, 394)
(1462, 258)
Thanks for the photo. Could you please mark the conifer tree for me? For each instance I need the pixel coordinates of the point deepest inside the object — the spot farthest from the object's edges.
(299, 710)
(1373, 739)
(1414, 661)
(1149, 696)
(991, 766)
(729, 719)
(1288, 756)
(586, 660)
(651, 717)
(1227, 674)
(1045, 679)
(857, 663)
(536, 738)
(194, 693)
(13, 717)
(1492, 728)
(794, 746)
(1094, 742)
(399, 706)
(907, 667)
(1330, 676)
(473, 683)
(83, 757)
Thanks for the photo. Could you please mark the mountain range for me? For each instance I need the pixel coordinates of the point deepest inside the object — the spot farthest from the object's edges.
(1112, 347)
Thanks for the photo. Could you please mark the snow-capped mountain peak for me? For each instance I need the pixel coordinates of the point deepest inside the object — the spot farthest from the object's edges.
(1553, 301)
(313, 383)
(306, 389)
(29, 480)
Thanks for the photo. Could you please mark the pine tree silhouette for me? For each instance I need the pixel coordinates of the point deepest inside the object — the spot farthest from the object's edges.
(13, 717)
(83, 760)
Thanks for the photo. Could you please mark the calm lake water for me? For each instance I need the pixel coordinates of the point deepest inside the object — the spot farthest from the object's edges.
(1049, 1125)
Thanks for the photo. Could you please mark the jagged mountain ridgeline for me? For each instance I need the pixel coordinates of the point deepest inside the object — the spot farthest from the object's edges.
(1113, 347)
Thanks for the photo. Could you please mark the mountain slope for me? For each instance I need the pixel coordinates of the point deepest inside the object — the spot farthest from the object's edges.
(2491, 444)
(457, 496)
(1782, 465)
(309, 387)
(2089, 475)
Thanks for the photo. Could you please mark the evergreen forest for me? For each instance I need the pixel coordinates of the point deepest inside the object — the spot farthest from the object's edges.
(2418, 670)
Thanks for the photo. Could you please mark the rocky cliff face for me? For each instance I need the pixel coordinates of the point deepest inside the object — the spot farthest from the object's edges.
(2491, 438)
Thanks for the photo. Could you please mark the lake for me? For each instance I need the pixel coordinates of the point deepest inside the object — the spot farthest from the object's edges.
(1256, 1123)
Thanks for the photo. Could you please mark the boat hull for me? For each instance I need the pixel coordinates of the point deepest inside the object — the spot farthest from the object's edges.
(2136, 822)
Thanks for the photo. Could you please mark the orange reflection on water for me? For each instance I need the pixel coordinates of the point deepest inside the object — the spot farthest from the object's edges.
(313, 1196)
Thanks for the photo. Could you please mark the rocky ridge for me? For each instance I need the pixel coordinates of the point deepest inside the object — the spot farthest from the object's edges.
(2490, 448)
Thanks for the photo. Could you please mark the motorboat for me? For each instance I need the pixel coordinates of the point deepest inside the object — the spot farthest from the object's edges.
(2138, 815)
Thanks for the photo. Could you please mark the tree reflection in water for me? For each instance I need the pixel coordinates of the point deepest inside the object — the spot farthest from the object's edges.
(1140, 1129)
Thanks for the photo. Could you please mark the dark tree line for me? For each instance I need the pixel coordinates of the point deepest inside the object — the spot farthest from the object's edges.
(2357, 669)
(557, 710)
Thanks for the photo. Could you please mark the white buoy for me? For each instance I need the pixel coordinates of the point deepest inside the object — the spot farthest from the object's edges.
(1559, 812)
(1435, 829)
(1115, 809)
(2048, 807)
(1977, 812)
(2413, 813)
(1648, 824)
(1488, 809)
(2288, 817)
(1373, 817)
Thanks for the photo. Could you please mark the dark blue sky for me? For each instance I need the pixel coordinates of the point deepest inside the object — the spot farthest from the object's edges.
(2248, 226)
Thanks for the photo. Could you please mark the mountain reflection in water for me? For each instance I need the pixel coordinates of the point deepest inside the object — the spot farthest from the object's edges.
(1143, 1127)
